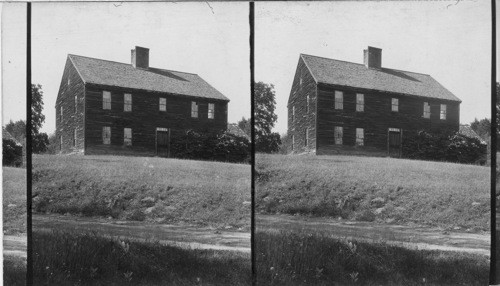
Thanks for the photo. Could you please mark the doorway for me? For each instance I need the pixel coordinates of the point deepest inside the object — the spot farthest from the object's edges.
(162, 142)
(394, 146)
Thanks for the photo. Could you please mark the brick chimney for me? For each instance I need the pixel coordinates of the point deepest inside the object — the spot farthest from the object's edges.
(373, 57)
(140, 57)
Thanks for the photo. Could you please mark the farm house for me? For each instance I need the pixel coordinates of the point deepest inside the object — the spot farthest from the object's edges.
(343, 107)
(106, 107)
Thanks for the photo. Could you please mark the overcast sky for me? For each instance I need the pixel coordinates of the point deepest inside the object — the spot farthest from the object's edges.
(210, 40)
(450, 42)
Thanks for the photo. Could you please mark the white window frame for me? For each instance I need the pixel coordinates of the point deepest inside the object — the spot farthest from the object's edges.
(338, 139)
(194, 109)
(360, 137)
(211, 110)
(127, 102)
(163, 104)
(427, 110)
(106, 100)
(442, 112)
(360, 102)
(106, 135)
(395, 104)
(127, 136)
(339, 100)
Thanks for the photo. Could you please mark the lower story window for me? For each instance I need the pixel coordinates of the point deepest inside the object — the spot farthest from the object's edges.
(127, 136)
(338, 134)
(360, 137)
(106, 135)
(306, 140)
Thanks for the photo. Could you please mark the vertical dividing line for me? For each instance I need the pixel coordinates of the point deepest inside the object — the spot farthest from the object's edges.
(252, 88)
(29, 261)
(494, 272)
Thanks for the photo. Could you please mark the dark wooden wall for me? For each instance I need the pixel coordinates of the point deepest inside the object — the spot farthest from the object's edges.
(376, 118)
(72, 119)
(144, 118)
(303, 119)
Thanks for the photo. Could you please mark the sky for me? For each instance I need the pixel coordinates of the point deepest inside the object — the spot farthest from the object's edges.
(451, 41)
(211, 40)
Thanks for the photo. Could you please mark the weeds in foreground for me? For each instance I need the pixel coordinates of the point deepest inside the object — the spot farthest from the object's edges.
(296, 258)
(62, 258)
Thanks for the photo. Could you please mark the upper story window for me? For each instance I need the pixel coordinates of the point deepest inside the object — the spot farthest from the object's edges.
(106, 135)
(360, 102)
(442, 113)
(194, 109)
(339, 100)
(127, 102)
(338, 134)
(307, 103)
(293, 113)
(395, 105)
(427, 110)
(106, 100)
(360, 137)
(163, 104)
(211, 111)
(127, 136)
(76, 103)
(60, 113)
(69, 81)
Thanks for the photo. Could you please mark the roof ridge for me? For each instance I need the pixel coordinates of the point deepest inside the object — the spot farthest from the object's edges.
(130, 64)
(362, 64)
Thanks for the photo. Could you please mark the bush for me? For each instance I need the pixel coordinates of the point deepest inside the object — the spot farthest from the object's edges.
(12, 153)
(456, 148)
(225, 147)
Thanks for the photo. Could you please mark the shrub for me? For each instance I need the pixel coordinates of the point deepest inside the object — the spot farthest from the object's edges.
(12, 153)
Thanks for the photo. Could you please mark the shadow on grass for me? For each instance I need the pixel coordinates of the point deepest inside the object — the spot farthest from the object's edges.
(298, 258)
(62, 258)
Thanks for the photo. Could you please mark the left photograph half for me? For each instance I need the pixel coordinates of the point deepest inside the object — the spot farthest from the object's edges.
(141, 149)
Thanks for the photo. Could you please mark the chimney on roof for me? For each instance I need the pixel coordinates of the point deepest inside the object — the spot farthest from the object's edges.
(140, 57)
(373, 57)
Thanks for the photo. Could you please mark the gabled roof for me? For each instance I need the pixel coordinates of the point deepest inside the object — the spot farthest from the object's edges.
(466, 130)
(342, 73)
(103, 72)
(233, 128)
(6, 135)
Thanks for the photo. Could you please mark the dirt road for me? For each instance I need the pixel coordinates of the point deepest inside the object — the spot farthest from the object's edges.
(14, 245)
(180, 235)
(407, 236)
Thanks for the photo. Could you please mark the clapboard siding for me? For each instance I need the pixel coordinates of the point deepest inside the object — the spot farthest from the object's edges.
(73, 117)
(303, 118)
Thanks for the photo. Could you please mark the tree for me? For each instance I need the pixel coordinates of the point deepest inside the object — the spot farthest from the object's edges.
(265, 118)
(482, 128)
(245, 125)
(39, 140)
(17, 130)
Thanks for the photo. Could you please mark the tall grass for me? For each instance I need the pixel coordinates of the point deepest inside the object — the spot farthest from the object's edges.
(14, 200)
(375, 189)
(63, 258)
(299, 258)
(140, 188)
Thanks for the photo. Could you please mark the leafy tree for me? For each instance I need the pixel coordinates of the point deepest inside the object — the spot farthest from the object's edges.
(482, 128)
(265, 118)
(39, 140)
(245, 125)
(17, 130)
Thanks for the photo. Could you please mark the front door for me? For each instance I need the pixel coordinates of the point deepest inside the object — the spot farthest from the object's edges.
(394, 142)
(162, 142)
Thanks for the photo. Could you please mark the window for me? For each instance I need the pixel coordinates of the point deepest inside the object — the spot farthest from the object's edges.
(194, 109)
(163, 104)
(211, 110)
(106, 100)
(60, 143)
(76, 103)
(61, 114)
(106, 135)
(339, 100)
(306, 140)
(307, 104)
(442, 113)
(360, 102)
(427, 110)
(360, 137)
(293, 113)
(69, 81)
(127, 99)
(127, 136)
(395, 105)
(74, 138)
(293, 142)
(338, 134)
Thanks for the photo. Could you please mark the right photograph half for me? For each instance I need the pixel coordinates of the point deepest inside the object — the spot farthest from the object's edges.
(372, 139)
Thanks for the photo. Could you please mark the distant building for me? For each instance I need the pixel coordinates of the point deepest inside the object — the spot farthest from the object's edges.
(342, 107)
(466, 130)
(233, 128)
(106, 107)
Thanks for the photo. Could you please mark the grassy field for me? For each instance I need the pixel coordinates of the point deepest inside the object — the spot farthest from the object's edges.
(385, 190)
(291, 258)
(62, 258)
(144, 189)
(14, 200)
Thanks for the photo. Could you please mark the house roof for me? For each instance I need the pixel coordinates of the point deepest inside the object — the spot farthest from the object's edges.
(233, 128)
(335, 72)
(466, 130)
(6, 135)
(123, 75)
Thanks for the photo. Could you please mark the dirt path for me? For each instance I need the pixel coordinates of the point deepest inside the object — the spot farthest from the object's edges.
(183, 236)
(14, 245)
(408, 236)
